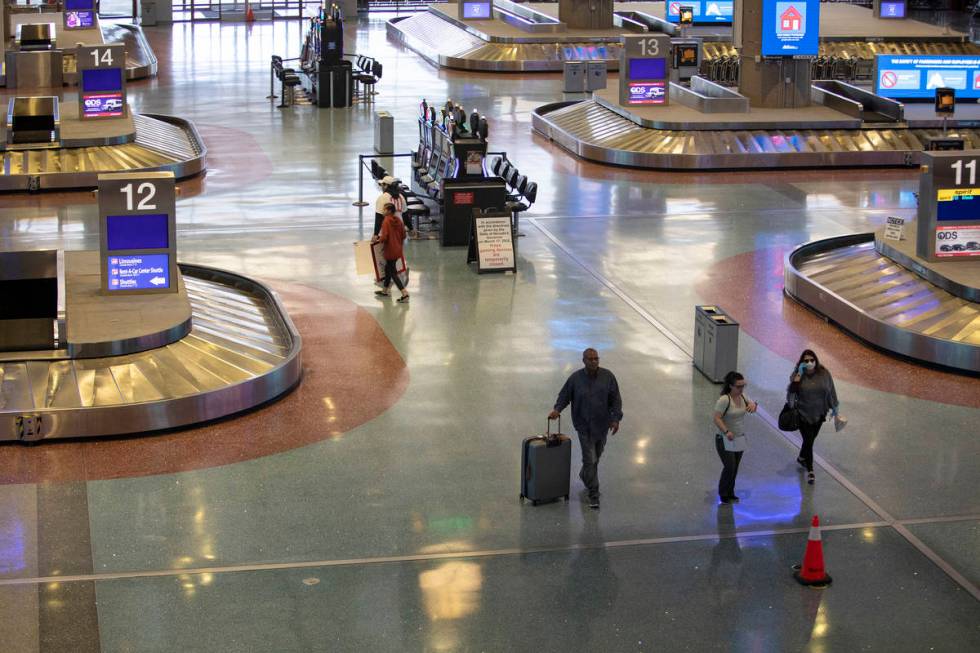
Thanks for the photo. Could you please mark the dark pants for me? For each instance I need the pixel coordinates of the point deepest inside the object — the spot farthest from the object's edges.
(809, 432)
(730, 461)
(592, 446)
(378, 219)
(392, 275)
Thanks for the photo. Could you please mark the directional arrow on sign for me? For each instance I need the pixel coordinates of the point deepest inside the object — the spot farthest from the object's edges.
(158, 281)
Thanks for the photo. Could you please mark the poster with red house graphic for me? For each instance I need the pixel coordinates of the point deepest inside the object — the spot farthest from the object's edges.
(790, 28)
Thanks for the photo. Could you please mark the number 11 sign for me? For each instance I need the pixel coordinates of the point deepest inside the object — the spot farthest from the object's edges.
(138, 244)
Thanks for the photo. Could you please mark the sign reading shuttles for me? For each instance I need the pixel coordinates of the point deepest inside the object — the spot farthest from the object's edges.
(138, 244)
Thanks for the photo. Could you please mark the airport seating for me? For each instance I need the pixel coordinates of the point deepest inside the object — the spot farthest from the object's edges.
(289, 80)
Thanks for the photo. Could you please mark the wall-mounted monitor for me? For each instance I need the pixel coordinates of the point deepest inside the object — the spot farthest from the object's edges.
(902, 77)
(705, 11)
(790, 28)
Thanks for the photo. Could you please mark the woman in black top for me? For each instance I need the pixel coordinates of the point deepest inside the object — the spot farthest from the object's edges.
(811, 390)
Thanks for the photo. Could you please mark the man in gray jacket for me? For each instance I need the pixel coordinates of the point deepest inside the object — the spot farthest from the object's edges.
(597, 409)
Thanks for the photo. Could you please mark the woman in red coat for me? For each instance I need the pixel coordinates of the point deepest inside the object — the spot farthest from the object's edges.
(392, 235)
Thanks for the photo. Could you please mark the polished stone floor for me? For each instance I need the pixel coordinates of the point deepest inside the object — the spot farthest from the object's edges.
(389, 520)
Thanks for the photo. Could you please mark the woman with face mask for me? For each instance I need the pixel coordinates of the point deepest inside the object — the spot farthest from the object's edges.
(811, 390)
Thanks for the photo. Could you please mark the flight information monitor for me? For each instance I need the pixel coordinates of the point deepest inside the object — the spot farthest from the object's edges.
(79, 14)
(705, 11)
(790, 29)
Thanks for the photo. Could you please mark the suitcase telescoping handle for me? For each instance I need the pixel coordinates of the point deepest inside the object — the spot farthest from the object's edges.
(552, 438)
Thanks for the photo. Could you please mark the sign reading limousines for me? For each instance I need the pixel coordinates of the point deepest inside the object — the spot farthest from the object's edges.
(492, 242)
(138, 244)
(903, 77)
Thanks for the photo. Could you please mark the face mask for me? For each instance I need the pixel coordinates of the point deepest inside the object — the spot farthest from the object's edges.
(810, 366)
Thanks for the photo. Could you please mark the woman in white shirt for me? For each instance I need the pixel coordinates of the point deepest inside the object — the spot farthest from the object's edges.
(729, 414)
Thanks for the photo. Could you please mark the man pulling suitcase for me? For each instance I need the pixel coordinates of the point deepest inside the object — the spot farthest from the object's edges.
(597, 409)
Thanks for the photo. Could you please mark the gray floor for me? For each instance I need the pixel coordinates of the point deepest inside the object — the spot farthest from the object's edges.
(406, 534)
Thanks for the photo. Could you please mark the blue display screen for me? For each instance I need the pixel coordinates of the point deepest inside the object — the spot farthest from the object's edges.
(903, 77)
(653, 68)
(127, 232)
(892, 10)
(705, 11)
(476, 10)
(963, 207)
(100, 80)
(80, 5)
(138, 272)
(790, 28)
(79, 19)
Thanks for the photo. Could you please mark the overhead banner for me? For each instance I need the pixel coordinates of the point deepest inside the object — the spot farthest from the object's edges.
(903, 77)
(705, 11)
(790, 29)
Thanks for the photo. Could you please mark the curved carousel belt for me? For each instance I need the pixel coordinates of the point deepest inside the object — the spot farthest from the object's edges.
(593, 132)
(848, 281)
(163, 143)
(241, 352)
(450, 46)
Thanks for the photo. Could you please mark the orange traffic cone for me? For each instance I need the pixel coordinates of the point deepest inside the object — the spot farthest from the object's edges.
(249, 14)
(812, 571)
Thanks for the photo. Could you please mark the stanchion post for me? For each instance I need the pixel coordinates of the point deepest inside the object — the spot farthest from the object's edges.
(272, 76)
(360, 181)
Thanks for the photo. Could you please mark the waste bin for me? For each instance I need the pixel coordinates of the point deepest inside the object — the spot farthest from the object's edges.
(715, 342)
(384, 132)
(596, 76)
(575, 73)
(148, 12)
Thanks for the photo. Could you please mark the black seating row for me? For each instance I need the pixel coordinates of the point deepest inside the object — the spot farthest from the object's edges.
(288, 78)
(367, 72)
(523, 193)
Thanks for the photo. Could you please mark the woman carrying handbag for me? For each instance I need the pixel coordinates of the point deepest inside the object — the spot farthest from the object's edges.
(730, 440)
(812, 394)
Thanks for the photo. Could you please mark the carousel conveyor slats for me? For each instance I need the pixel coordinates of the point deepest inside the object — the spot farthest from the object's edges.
(885, 303)
(239, 336)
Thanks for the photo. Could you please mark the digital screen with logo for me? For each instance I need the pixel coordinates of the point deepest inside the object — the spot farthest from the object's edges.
(149, 231)
(705, 11)
(903, 77)
(477, 10)
(652, 68)
(958, 242)
(138, 272)
(102, 105)
(790, 29)
(647, 93)
(891, 10)
(79, 19)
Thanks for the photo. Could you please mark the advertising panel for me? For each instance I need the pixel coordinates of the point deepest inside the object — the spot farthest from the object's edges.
(705, 11)
(903, 77)
(79, 14)
(958, 242)
(647, 93)
(790, 29)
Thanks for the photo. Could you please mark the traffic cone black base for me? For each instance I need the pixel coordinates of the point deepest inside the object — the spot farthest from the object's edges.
(819, 583)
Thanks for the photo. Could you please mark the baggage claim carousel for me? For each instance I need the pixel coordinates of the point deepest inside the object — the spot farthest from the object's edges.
(232, 349)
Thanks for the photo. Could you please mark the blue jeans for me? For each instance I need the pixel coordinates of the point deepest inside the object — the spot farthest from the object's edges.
(592, 446)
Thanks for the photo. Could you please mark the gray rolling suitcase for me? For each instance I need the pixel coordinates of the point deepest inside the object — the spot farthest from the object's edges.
(545, 464)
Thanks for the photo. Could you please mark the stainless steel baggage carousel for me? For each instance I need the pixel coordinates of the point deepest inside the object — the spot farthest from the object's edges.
(242, 351)
(868, 294)
(593, 131)
(162, 143)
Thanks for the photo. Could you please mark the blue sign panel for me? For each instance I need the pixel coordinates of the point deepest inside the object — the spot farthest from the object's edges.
(476, 10)
(137, 231)
(790, 28)
(705, 11)
(904, 77)
(651, 68)
(892, 9)
(138, 271)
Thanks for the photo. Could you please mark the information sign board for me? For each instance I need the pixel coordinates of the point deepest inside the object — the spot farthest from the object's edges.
(894, 228)
(705, 11)
(891, 9)
(476, 9)
(903, 77)
(645, 62)
(138, 248)
(492, 245)
(101, 81)
(790, 28)
(949, 206)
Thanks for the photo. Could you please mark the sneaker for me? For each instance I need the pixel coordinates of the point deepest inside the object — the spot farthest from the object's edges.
(594, 502)
(403, 299)
(810, 478)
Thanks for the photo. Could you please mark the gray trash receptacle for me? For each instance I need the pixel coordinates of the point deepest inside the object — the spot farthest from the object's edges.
(597, 76)
(148, 12)
(575, 76)
(384, 132)
(715, 342)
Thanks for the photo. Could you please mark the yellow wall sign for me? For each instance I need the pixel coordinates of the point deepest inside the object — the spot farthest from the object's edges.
(947, 194)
